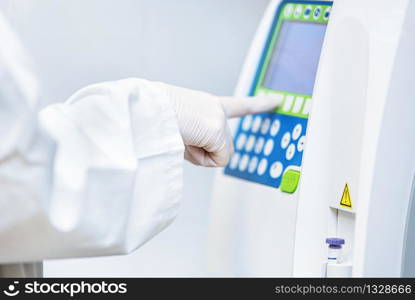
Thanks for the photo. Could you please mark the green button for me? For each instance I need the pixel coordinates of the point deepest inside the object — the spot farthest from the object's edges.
(290, 181)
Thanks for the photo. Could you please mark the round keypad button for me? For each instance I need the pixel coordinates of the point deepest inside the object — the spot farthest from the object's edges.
(290, 152)
(247, 122)
(269, 146)
(289, 8)
(285, 141)
(298, 10)
(253, 164)
(317, 12)
(327, 13)
(262, 167)
(257, 124)
(250, 143)
(297, 131)
(240, 141)
(243, 164)
(275, 170)
(307, 12)
(265, 125)
(259, 145)
(275, 127)
(234, 161)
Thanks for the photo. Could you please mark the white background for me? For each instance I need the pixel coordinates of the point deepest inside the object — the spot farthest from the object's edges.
(196, 44)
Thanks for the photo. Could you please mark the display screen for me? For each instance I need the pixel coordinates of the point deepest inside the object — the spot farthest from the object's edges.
(295, 59)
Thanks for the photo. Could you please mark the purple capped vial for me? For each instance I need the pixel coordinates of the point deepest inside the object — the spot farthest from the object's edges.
(335, 247)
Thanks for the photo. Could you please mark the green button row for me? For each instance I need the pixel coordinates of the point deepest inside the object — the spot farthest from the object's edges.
(293, 105)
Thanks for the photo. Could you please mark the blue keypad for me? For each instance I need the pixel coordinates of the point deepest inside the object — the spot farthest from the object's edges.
(266, 145)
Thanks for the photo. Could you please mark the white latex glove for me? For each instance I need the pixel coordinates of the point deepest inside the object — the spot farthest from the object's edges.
(202, 120)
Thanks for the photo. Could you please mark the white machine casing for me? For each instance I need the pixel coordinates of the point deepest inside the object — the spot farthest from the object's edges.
(361, 132)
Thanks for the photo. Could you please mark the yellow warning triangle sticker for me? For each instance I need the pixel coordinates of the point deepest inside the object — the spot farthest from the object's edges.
(346, 200)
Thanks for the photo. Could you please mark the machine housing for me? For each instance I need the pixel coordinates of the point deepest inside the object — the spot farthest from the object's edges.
(356, 169)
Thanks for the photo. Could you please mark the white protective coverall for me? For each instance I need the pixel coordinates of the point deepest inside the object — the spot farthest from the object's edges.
(101, 173)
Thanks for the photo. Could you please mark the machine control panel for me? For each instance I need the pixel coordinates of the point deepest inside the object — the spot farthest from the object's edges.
(269, 147)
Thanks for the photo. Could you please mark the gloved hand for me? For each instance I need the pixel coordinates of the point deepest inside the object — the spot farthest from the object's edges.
(202, 120)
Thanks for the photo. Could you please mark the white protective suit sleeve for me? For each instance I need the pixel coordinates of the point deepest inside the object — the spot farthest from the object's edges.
(118, 165)
(25, 156)
(113, 181)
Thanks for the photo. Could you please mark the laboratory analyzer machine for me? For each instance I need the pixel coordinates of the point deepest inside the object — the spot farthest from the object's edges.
(322, 186)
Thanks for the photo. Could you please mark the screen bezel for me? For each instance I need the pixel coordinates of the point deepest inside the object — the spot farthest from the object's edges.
(257, 84)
